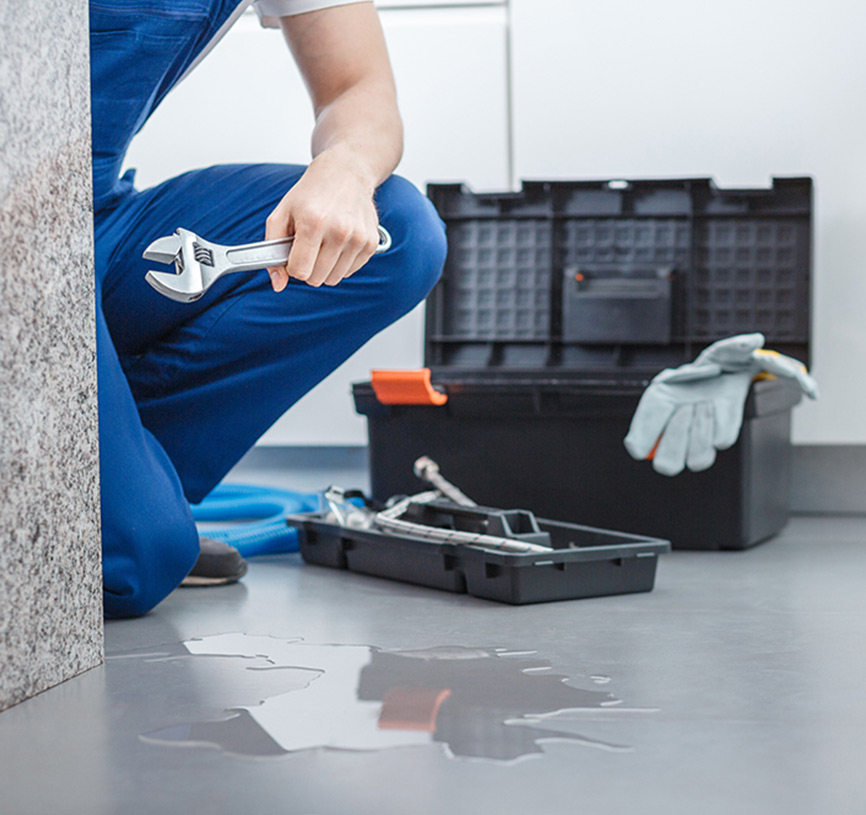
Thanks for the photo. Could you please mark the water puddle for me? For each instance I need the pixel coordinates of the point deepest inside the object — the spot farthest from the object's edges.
(472, 703)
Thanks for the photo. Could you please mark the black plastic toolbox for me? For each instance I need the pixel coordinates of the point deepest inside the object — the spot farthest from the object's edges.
(557, 305)
(583, 562)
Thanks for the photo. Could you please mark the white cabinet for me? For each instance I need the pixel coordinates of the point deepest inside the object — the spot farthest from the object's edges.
(246, 103)
(493, 92)
(737, 90)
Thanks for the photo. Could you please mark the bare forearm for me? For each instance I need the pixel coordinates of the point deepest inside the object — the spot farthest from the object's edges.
(362, 129)
(357, 142)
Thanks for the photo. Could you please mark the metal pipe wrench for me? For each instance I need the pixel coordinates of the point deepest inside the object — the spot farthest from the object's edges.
(199, 263)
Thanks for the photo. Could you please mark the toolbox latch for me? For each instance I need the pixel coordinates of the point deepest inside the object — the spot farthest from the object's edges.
(406, 388)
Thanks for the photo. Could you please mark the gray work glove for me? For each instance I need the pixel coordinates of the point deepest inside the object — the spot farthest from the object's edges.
(688, 413)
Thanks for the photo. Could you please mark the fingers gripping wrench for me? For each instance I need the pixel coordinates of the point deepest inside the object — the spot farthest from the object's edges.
(199, 263)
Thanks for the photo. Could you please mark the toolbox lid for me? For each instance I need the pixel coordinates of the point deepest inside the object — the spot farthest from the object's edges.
(615, 280)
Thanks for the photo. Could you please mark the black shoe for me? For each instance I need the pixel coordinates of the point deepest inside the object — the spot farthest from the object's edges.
(217, 565)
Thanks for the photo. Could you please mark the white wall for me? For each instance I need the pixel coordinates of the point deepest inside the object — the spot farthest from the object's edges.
(739, 90)
(451, 69)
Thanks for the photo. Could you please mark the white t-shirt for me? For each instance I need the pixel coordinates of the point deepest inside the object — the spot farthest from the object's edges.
(269, 12)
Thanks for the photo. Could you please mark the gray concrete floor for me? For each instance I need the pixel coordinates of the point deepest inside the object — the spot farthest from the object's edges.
(736, 686)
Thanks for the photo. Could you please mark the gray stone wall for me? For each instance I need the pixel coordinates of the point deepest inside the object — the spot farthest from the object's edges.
(50, 579)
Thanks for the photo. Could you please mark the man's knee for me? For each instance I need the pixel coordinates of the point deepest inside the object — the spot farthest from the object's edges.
(418, 252)
(145, 560)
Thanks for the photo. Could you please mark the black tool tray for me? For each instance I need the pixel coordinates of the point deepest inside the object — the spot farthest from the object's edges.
(583, 561)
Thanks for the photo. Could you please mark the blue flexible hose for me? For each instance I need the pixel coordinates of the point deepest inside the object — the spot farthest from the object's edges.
(260, 516)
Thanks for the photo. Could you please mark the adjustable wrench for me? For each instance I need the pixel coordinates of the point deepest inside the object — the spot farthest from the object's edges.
(199, 263)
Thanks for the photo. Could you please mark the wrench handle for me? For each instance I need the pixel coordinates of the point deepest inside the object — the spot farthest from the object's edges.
(252, 256)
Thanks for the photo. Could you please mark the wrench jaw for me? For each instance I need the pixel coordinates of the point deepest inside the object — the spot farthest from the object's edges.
(186, 285)
(166, 284)
(163, 250)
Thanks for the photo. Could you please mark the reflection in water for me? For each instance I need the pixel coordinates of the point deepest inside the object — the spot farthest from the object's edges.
(487, 703)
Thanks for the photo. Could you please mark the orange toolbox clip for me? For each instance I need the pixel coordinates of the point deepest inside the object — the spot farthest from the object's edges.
(406, 388)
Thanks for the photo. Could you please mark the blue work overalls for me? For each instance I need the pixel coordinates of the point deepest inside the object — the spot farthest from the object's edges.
(186, 389)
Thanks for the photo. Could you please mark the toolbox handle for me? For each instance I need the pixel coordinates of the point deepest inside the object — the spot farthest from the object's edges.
(406, 388)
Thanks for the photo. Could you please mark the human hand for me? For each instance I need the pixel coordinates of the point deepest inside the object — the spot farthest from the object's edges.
(331, 216)
(688, 413)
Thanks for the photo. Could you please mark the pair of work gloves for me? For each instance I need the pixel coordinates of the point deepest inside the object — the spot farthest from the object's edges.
(688, 413)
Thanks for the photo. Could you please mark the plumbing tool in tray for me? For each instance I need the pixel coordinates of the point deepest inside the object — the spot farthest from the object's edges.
(441, 539)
